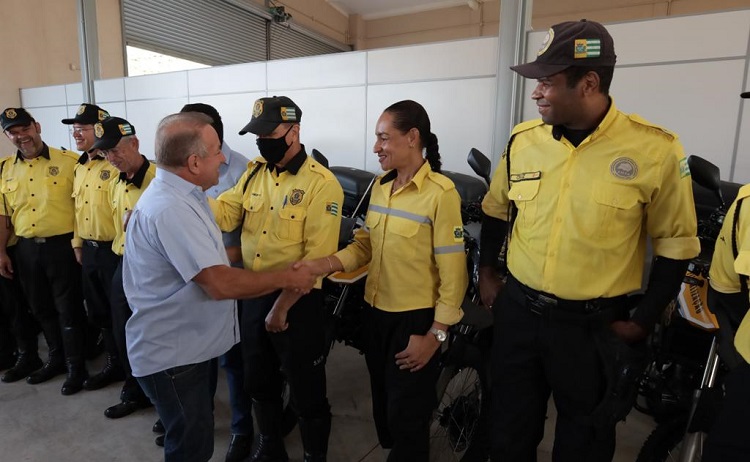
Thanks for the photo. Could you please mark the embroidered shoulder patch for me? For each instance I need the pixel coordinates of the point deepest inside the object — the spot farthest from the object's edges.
(458, 233)
(332, 208)
(684, 168)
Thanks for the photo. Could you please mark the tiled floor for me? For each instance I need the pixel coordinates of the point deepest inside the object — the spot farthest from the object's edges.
(38, 424)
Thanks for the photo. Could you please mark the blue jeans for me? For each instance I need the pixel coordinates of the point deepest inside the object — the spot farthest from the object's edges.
(239, 400)
(183, 401)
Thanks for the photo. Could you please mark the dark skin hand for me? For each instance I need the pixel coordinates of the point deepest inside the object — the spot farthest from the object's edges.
(490, 285)
(629, 331)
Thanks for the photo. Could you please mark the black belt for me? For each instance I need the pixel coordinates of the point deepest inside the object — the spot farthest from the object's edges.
(48, 240)
(540, 302)
(97, 244)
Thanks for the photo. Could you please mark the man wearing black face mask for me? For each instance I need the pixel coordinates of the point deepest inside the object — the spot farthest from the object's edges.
(288, 206)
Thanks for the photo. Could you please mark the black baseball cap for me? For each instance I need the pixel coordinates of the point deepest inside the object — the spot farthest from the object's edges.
(268, 113)
(13, 116)
(574, 43)
(88, 114)
(110, 131)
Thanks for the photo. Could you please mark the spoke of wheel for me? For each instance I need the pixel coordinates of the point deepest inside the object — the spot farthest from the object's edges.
(454, 422)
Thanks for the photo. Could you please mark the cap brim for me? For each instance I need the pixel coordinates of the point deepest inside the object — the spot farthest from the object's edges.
(537, 70)
(105, 144)
(259, 127)
(15, 124)
(68, 121)
(745, 94)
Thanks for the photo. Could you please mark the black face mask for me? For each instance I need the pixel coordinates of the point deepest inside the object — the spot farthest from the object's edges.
(273, 149)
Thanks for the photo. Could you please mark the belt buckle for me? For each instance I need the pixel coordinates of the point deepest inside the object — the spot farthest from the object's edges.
(93, 243)
(40, 240)
(538, 303)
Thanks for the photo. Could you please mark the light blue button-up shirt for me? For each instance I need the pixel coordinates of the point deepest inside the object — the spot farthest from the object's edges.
(230, 172)
(171, 237)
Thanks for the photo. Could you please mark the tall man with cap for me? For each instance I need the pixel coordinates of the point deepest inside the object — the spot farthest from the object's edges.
(230, 171)
(116, 140)
(288, 207)
(178, 281)
(37, 188)
(578, 192)
(95, 227)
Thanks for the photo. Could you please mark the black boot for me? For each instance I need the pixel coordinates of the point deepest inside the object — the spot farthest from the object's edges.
(93, 342)
(112, 370)
(77, 374)
(240, 446)
(270, 443)
(55, 365)
(27, 360)
(315, 437)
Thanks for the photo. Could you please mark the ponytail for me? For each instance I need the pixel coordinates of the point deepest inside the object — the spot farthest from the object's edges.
(432, 151)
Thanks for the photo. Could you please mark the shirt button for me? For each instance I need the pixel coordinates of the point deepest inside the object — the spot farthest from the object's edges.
(520, 196)
(272, 207)
(277, 184)
(257, 255)
(264, 232)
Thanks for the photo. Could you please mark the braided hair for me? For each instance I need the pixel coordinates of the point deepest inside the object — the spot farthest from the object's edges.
(409, 114)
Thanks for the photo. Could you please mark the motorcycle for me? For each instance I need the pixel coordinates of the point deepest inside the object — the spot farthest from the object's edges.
(459, 431)
(682, 386)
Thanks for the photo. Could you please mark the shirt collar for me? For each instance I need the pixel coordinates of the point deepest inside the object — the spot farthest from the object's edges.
(86, 156)
(182, 185)
(45, 153)
(139, 176)
(558, 131)
(418, 178)
(294, 164)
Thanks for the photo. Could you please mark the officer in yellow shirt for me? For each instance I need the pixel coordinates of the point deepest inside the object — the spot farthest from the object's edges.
(288, 206)
(582, 188)
(416, 281)
(728, 298)
(20, 330)
(117, 141)
(94, 226)
(37, 188)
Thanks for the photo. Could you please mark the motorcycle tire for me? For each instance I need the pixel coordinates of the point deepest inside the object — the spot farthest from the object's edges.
(457, 432)
(664, 442)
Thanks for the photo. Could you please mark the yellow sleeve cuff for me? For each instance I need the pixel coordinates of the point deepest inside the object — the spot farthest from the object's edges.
(76, 242)
(677, 248)
(448, 315)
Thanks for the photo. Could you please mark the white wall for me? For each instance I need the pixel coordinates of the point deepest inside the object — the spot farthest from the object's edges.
(684, 73)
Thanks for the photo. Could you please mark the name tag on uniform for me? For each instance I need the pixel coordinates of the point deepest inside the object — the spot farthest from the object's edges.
(525, 176)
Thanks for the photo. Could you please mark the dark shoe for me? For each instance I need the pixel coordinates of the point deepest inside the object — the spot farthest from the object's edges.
(315, 437)
(159, 441)
(6, 362)
(158, 427)
(125, 408)
(74, 362)
(110, 373)
(240, 446)
(270, 443)
(24, 366)
(51, 369)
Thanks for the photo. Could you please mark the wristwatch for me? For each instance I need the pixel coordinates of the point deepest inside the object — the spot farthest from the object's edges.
(439, 334)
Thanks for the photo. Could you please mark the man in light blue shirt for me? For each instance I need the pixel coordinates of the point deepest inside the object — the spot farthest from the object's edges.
(230, 171)
(177, 278)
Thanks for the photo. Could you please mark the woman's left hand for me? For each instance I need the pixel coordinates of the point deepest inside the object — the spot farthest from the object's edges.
(418, 352)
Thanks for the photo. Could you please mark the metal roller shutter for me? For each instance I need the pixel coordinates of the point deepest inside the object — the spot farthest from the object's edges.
(289, 43)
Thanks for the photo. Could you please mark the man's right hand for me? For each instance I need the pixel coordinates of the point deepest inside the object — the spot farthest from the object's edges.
(299, 278)
(6, 267)
(490, 284)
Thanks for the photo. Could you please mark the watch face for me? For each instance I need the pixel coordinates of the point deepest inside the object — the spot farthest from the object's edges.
(440, 335)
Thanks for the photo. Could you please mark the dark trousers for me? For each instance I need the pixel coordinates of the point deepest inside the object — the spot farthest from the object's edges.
(729, 310)
(402, 401)
(98, 269)
(239, 402)
(121, 312)
(184, 403)
(19, 326)
(727, 441)
(538, 352)
(299, 352)
(51, 279)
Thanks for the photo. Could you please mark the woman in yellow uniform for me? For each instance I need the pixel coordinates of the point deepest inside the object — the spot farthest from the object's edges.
(413, 242)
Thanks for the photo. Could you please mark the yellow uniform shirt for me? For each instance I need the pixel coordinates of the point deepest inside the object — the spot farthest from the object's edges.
(288, 217)
(414, 243)
(584, 212)
(123, 195)
(91, 182)
(13, 238)
(723, 276)
(37, 193)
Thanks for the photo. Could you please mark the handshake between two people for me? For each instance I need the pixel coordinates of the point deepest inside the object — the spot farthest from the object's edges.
(301, 277)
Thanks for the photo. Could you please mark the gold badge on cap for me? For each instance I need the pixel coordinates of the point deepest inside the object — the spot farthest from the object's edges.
(296, 196)
(547, 42)
(98, 130)
(81, 109)
(104, 175)
(11, 114)
(54, 171)
(624, 168)
(258, 108)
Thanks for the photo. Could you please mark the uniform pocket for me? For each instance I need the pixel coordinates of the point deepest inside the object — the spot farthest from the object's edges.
(254, 207)
(524, 194)
(619, 208)
(291, 224)
(402, 233)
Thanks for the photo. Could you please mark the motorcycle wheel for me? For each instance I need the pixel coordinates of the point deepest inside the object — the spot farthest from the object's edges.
(664, 442)
(456, 425)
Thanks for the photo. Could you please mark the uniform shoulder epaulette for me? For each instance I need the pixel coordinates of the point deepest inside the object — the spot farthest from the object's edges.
(528, 125)
(65, 152)
(743, 192)
(441, 180)
(643, 122)
(315, 166)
